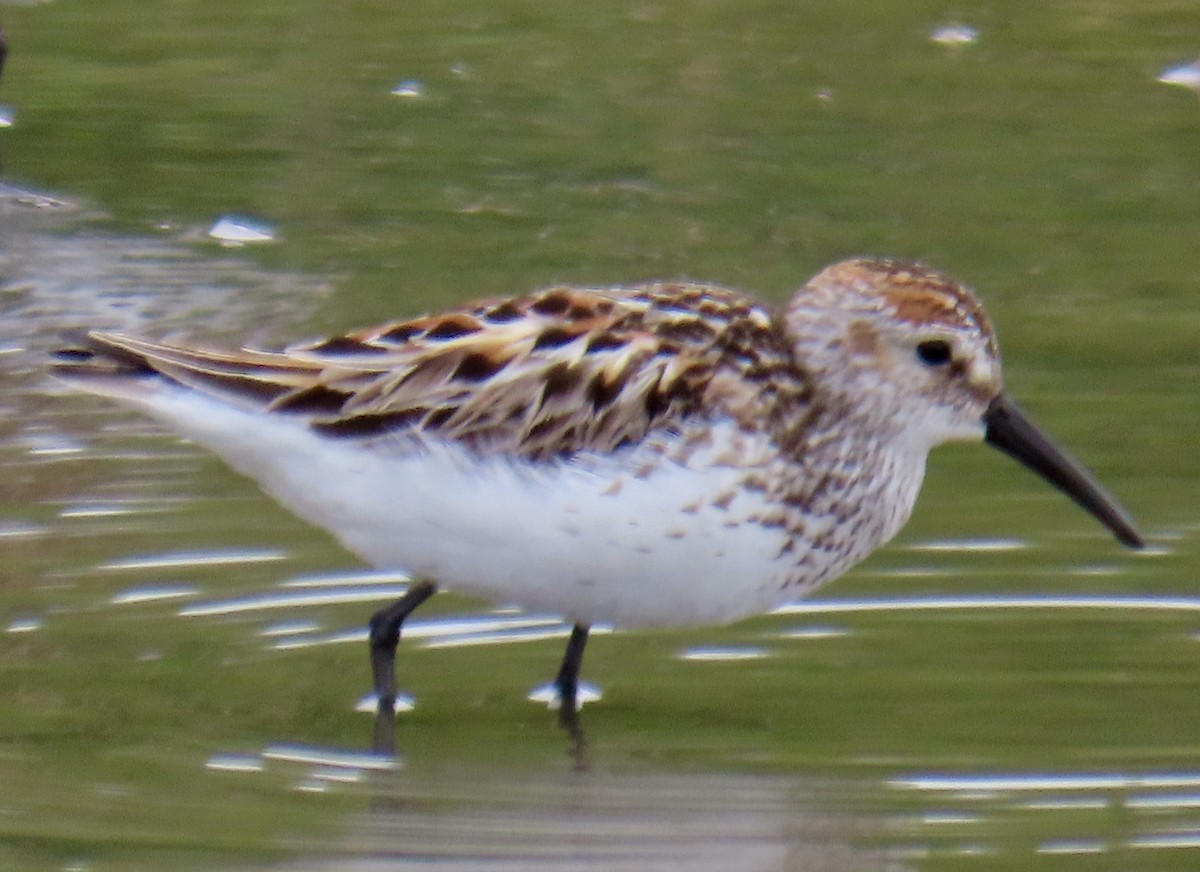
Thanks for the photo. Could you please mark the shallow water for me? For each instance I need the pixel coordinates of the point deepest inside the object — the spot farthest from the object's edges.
(182, 667)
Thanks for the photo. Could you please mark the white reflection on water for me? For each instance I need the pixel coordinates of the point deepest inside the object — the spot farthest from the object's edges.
(989, 783)
(1069, 803)
(95, 510)
(1150, 800)
(970, 545)
(1185, 75)
(410, 89)
(954, 35)
(360, 578)
(369, 704)
(21, 531)
(723, 654)
(138, 595)
(337, 775)
(121, 505)
(234, 763)
(992, 601)
(235, 230)
(345, 760)
(294, 599)
(193, 559)
(289, 628)
(1170, 800)
(815, 632)
(1185, 839)
(50, 444)
(939, 818)
(504, 822)
(548, 695)
(1073, 846)
(323, 767)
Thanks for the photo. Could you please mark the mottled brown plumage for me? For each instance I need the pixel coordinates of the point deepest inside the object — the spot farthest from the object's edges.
(544, 375)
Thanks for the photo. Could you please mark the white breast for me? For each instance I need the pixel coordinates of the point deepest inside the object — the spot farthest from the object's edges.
(591, 539)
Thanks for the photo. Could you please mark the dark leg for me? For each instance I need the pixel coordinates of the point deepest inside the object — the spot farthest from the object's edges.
(567, 680)
(385, 635)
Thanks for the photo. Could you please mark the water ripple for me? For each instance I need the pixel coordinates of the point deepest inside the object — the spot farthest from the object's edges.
(330, 758)
(136, 595)
(1038, 781)
(992, 601)
(722, 654)
(193, 559)
(293, 599)
(1147, 797)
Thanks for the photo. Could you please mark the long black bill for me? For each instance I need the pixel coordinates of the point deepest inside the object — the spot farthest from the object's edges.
(1012, 432)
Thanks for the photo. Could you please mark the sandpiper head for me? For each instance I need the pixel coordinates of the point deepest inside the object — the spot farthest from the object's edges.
(911, 354)
(900, 344)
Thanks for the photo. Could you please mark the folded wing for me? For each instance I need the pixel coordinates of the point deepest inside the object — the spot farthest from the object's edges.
(544, 375)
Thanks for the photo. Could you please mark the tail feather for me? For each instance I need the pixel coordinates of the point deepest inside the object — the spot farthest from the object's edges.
(121, 365)
(89, 354)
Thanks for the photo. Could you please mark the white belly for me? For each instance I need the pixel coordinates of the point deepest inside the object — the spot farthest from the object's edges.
(561, 537)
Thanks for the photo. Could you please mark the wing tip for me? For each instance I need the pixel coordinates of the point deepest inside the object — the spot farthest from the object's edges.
(86, 353)
(95, 362)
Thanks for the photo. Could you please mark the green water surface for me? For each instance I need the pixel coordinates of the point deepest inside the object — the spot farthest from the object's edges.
(748, 143)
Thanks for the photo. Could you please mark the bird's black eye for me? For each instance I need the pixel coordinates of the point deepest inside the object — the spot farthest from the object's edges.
(934, 352)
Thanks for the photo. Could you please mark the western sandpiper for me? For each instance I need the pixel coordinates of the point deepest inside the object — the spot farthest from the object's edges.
(662, 454)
